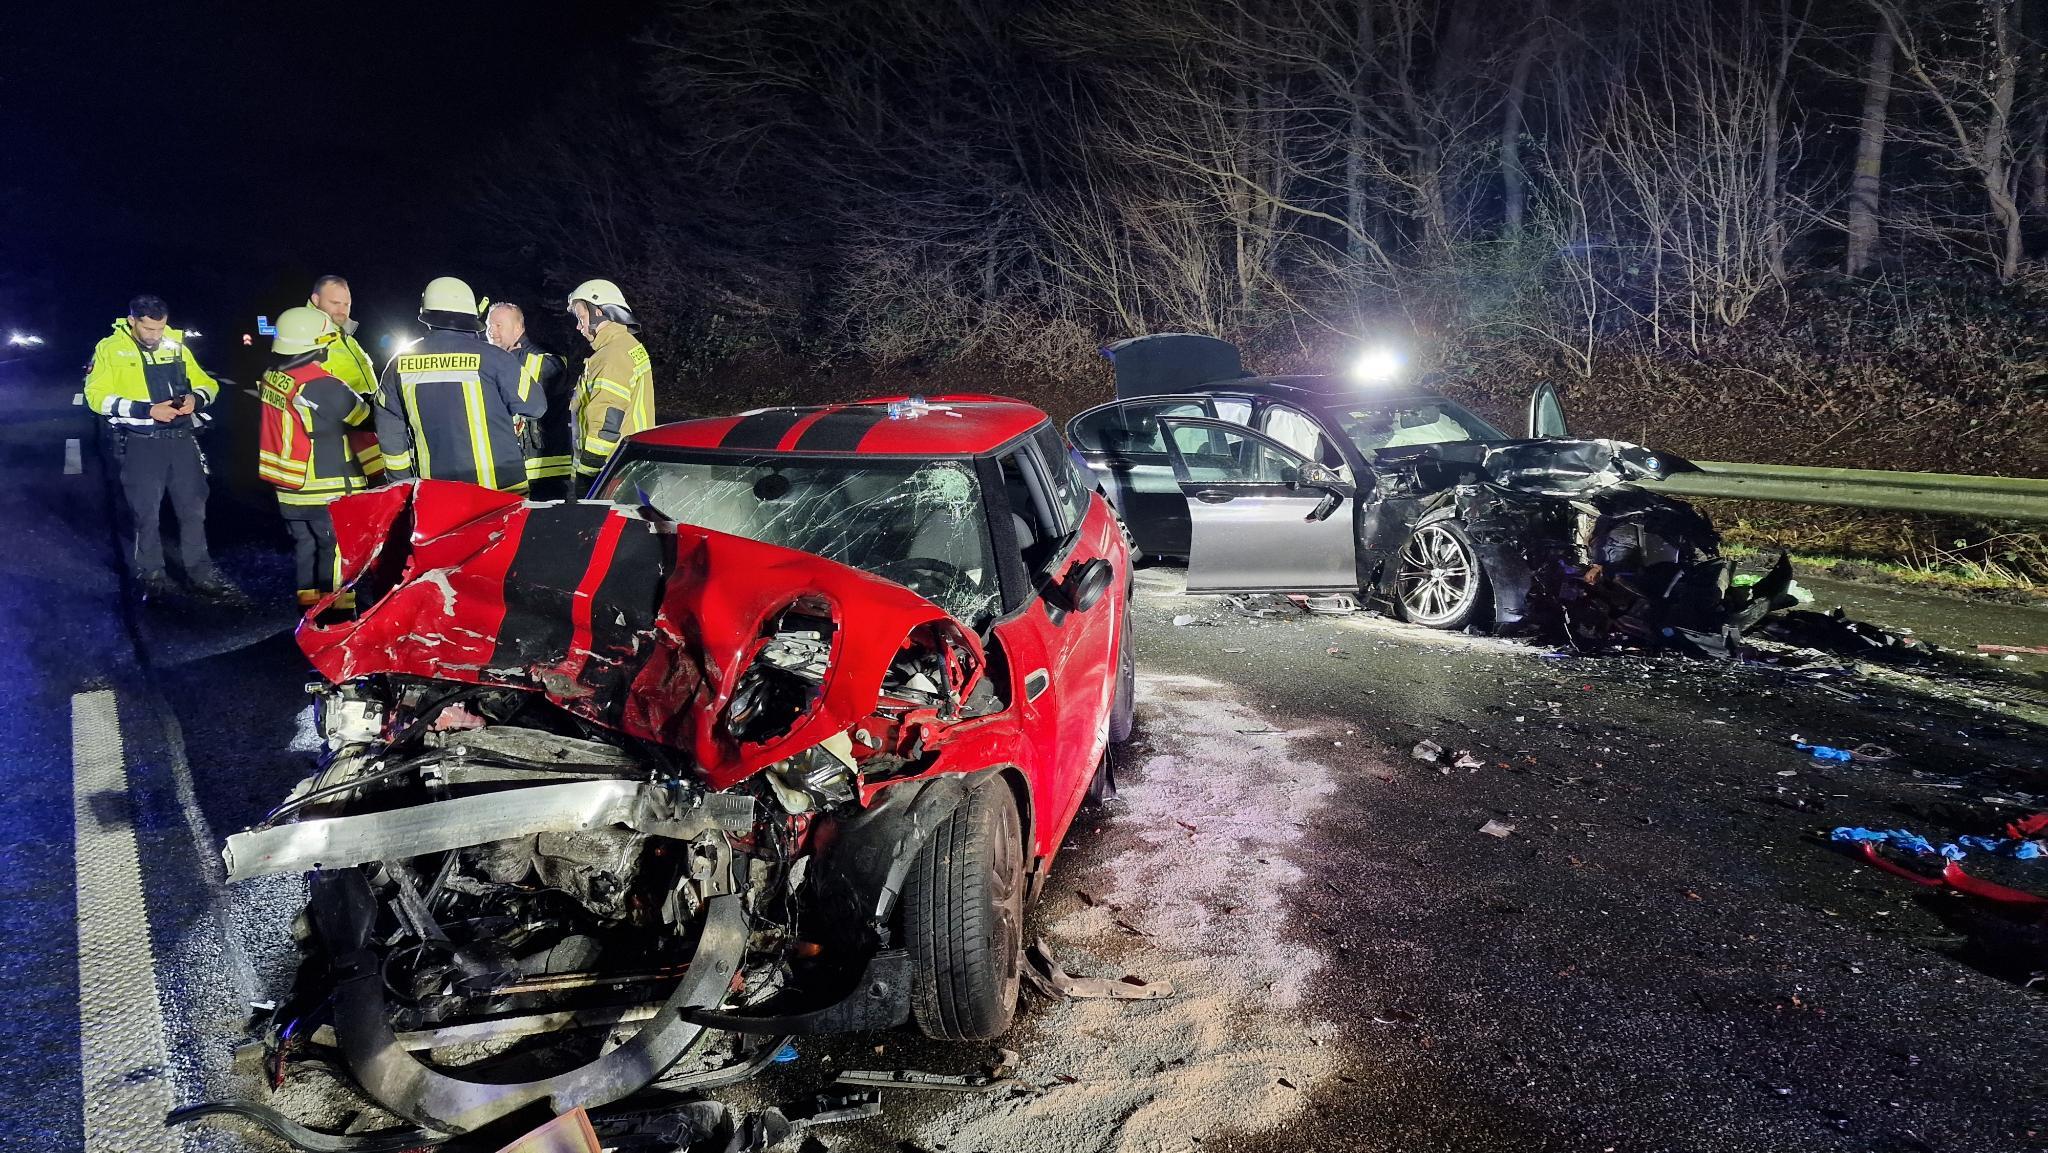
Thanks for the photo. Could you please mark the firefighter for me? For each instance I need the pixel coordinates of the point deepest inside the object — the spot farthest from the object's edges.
(615, 397)
(152, 392)
(308, 415)
(445, 405)
(547, 440)
(348, 363)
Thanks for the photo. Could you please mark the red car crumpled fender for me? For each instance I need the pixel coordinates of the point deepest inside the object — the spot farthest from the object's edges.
(640, 625)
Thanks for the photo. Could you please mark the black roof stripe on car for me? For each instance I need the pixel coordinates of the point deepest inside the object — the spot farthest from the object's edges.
(842, 430)
(762, 429)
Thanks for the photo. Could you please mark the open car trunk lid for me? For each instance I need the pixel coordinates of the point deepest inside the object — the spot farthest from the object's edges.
(1165, 363)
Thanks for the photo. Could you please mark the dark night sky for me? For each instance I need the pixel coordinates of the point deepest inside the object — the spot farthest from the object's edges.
(222, 154)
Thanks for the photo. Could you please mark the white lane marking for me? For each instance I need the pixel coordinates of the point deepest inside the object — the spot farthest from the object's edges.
(78, 398)
(74, 463)
(123, 1066)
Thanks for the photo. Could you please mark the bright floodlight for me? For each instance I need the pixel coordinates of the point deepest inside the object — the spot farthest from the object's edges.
(1376, 365)
(24, 339)
(193, 334)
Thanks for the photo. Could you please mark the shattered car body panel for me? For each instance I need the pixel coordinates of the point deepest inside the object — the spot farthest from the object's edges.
(608, 796)
(616, 618)
(1454, 523)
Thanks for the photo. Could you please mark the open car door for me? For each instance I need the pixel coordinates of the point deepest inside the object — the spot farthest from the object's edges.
(1546, 413)
(1263, 518)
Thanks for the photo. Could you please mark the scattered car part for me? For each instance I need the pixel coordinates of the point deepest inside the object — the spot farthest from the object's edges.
(1056, 981)
(917, 1079)
(565, 1133)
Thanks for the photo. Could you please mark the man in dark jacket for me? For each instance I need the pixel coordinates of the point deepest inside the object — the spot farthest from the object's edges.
(446, 403)
(549, 443)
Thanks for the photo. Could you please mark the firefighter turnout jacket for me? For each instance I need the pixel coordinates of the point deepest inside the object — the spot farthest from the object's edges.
(445, 408)
(614, 399)
(304, 444)
(126, 379)
(348, 363)
(549, 445)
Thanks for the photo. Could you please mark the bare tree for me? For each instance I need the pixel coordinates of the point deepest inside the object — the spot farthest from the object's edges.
(1968, 72)
(1866, 184)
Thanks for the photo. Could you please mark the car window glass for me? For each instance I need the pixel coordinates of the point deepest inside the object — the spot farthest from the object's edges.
(1432, 421)
(919, 523)
(1304, 434)
(1220, 456)
(1070, 486)
(1037, 537)
(1130, 428)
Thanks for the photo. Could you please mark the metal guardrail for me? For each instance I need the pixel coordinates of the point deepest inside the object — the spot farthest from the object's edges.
(1986, 497)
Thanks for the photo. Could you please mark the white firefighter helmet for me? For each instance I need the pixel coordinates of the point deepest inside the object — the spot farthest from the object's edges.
(299, 330)
(449, 303)
(605, 297)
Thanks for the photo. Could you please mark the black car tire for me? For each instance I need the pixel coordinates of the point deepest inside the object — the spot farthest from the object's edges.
(963, 919)
(1102, 786)
(1419, 587)
(1123, 709)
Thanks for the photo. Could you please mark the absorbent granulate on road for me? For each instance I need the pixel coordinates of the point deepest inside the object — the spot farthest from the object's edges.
(1192, 887)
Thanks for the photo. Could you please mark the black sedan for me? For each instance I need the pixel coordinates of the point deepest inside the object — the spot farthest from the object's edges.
(1315, 483)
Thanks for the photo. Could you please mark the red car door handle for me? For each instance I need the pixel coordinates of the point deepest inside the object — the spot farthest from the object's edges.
(1214, 496)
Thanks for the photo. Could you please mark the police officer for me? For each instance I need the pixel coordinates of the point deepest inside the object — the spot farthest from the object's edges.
(547, 440)
(348, 363)
(308, 414)
(445, 405)
(145, 383)
(615, 397)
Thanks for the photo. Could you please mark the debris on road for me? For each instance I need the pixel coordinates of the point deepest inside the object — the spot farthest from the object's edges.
(568, 1133)
(1186, 620)
(1264, 605)
(2028, 650)
(1048, 978)
(1822, 752)
(1427, 751)
(918, 1079)
(1332, 604)
(1497, 829)
(1836, 633)
(2018, 846)
(1863, 752)
(1466, 760)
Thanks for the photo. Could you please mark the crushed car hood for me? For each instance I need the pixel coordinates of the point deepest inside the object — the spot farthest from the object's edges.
(628, 621)
(1551, 467)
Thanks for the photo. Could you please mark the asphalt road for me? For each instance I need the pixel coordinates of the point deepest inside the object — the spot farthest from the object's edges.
(1662, 954)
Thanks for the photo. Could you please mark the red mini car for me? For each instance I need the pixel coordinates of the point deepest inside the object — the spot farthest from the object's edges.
(774, 735)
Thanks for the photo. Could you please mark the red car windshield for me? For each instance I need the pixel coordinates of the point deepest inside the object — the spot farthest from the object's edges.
(916, 522)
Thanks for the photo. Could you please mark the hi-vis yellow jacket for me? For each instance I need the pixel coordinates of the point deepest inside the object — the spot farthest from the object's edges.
(349, 364)
(126, 379)
(614, 399)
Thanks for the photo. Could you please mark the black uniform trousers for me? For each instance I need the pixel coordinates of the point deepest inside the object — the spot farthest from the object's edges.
(313, 555)
(155, 464)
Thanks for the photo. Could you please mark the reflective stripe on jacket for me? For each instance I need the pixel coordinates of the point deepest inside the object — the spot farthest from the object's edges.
(126, 379)
(615, 398)
(445, 409)
(549, 443)
(348, 363)
(303, 444)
